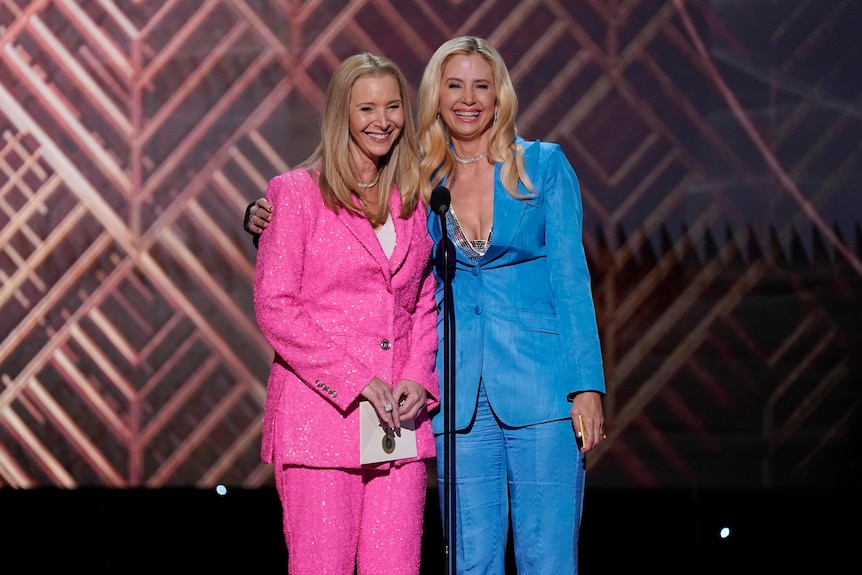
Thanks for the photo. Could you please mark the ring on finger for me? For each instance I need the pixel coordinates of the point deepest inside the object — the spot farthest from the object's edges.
(387, 408)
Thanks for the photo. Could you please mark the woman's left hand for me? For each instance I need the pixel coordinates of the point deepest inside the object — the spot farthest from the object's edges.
(588, 419)
(411, 397)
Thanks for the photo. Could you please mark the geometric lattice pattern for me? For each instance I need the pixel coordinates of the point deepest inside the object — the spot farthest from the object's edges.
(718, 148)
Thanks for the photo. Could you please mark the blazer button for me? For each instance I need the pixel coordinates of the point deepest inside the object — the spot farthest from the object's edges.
(385, 344)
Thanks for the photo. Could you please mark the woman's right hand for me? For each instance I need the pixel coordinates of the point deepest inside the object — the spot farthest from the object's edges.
(381, 396)
(259, 214)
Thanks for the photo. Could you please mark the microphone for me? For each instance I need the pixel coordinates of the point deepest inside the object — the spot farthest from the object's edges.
(440, 200)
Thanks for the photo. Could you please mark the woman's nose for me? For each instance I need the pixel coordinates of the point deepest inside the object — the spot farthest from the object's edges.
(383, 120)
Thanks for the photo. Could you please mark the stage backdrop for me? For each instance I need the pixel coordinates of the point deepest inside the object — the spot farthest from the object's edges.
(718, 149)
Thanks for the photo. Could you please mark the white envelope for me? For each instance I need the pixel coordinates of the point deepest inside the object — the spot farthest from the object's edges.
(376, 446)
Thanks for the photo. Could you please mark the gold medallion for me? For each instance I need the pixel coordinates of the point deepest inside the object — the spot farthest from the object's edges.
(388, 443)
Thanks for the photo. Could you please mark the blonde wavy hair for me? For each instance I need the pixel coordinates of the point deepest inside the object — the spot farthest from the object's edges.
(437, 160)
(332, 164)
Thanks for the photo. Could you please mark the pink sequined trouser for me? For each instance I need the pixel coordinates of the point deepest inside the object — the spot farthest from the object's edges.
(337, 518)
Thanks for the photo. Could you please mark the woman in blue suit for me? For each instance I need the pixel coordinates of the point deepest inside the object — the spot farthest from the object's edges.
(526, 338)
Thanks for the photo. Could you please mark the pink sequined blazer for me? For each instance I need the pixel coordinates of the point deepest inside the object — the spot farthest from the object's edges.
(338, 312)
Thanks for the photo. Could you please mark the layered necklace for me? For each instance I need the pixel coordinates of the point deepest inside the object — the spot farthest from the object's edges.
(461, 160)
(372, 183)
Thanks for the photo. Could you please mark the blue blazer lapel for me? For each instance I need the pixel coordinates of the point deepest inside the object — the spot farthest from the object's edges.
(508, 212)
(507, 217)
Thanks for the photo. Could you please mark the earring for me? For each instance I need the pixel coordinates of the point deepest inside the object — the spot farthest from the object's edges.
(495, 118)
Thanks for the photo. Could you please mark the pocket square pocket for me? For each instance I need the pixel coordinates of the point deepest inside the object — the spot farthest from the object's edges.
(375, 445)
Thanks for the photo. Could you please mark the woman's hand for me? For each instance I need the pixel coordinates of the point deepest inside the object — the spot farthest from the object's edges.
(258, 216)
(412, 398)
(588, 419)
(393, 405)
(381, 396)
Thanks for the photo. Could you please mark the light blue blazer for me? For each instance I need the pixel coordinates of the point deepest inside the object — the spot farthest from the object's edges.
(524, 322)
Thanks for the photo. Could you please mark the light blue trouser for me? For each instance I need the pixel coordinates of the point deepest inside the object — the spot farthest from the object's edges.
(545, 475)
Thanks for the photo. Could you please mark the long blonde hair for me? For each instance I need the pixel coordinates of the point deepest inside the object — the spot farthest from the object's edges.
(437, 160)
(332, 163)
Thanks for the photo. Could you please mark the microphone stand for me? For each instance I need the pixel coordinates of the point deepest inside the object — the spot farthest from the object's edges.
(449, 394)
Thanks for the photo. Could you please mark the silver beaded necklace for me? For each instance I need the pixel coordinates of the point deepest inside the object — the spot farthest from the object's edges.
(461, 160)
(370, 184)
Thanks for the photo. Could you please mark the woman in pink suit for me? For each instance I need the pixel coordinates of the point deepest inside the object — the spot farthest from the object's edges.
(344, 294)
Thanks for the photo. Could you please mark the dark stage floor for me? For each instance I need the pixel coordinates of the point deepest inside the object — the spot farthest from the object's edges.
(167, 531)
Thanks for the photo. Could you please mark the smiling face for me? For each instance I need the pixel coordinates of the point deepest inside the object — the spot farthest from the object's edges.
(468, 97)
(376, 117)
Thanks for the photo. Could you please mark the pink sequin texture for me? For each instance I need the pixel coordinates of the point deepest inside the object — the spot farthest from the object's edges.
(338, 313)
(334, 519)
